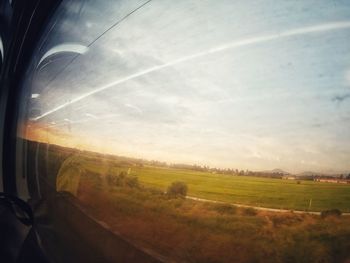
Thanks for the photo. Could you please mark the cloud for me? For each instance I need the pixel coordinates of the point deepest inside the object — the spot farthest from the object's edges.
(341, 98)
(90, 115)
(229, 85)
(231, 45)
(347, 77)
(135, 108)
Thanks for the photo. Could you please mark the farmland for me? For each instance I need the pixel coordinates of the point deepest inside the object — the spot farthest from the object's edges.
(182, 230)
(255, 191)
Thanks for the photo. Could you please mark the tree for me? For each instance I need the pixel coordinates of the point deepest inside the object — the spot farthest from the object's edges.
(177, 189)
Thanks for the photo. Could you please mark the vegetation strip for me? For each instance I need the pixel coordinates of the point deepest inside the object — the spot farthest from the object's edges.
(258, 207)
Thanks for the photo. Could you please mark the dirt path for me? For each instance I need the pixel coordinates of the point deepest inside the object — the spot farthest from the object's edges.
(258, 207)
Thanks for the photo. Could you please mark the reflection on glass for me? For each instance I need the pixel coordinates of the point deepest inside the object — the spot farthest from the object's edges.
(200, 131)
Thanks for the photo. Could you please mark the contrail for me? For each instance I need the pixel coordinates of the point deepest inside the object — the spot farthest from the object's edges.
(65, 121)
(230, 45)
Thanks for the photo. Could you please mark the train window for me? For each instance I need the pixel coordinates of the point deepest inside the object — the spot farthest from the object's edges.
(199, 131)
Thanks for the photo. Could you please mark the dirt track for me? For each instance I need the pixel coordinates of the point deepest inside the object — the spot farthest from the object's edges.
(258, 207)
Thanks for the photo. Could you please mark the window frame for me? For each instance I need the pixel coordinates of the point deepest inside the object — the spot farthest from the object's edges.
(23, 29)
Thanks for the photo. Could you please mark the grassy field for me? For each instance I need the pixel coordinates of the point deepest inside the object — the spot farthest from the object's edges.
(182, 230)
(255, 191)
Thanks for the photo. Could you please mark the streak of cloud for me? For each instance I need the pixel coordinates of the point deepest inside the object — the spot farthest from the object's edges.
(231, 45)
(68, 120)
(82, 120)
(90, 115)
(137, 109)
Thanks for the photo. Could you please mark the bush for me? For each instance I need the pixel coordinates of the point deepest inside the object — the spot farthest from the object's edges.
(225, 209)
(122, 175)
(177, 189)
(331, 212)
(249, 211)
(155, 191)
(132, 181)
(114, 180)
(122, 180)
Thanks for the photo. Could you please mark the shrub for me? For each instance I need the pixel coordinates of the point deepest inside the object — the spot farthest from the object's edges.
(155, 191)
(331, 212)
(122, 180)
(111, 179)
(249, 211)
(122, 175)
(132, 181)
(115, 180)
(225, 208)
(177, 189)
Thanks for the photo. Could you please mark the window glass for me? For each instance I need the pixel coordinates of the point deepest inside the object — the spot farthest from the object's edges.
(200, 131)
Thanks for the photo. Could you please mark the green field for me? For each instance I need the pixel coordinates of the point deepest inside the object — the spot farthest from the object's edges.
(255, 191)
(183, 230)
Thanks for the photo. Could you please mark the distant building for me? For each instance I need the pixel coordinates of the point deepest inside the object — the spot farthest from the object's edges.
(333, 180)
(289, 177)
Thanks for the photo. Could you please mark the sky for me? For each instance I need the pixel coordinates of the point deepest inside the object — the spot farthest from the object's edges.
(252, 85)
